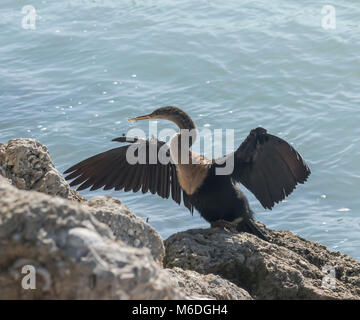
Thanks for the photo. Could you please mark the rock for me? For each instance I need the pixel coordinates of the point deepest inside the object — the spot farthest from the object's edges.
(126, 226)
(288, 267)
(75, 256)
(347, 269)
(2, 159)
(4, 181)
(210, 286)
(27, 163)
(98, 249)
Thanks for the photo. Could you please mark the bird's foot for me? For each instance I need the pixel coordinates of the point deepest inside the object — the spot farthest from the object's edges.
(226, 225)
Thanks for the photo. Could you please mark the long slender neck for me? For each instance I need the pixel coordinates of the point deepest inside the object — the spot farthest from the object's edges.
(182, 141)
(184, 122)
(186, 125)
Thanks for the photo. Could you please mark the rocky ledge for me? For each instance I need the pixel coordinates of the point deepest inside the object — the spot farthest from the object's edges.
(99, 249)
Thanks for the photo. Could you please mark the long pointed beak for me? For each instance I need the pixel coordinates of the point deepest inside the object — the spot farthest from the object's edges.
(148, 116)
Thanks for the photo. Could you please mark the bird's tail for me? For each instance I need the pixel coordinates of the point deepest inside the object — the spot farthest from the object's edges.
(248, 225)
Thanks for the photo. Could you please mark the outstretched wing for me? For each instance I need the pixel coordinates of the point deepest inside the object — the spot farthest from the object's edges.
(268, 166)
(112, 170)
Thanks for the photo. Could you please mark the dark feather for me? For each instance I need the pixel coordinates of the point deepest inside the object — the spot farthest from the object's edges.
(268, 166)
(111, 169)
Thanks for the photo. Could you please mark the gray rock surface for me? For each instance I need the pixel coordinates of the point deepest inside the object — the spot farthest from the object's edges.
(98, 249)
(27, 163)
(2, 159)
(287, 268)
(126, 226)
(75, 255)
(209, 286)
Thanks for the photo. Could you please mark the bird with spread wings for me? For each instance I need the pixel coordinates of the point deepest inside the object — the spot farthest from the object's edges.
(266, 165)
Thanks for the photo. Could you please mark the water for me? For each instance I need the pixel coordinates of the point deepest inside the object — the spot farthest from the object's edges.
(89, 65)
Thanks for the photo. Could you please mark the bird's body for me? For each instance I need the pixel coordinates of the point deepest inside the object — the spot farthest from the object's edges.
(218, 198)
(266, 165)
(215, 197)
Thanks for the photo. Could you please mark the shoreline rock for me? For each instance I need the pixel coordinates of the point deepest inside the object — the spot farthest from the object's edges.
(126, 226)
(27, 163)
(290, 269)
(99, 249)
(75, 255)
(207, 286)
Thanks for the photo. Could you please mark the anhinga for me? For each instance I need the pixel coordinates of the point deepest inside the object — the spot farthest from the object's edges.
(265, 164)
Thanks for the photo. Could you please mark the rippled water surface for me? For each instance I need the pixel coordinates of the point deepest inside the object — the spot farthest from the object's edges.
(89, 65)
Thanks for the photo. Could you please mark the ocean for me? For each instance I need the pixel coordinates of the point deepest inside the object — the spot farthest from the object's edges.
(73, 72)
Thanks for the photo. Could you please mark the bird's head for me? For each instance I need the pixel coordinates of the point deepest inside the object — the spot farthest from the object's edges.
(174, 114)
